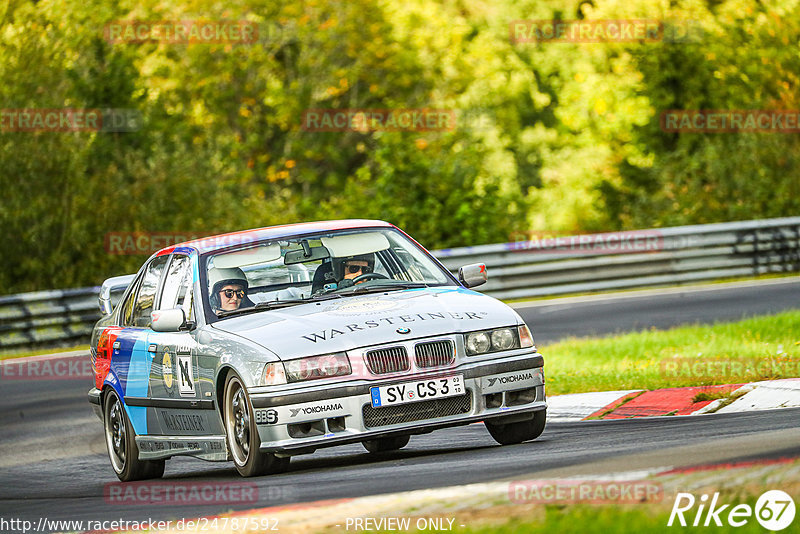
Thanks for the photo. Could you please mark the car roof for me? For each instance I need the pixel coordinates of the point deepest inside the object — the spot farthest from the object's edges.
(220, 241)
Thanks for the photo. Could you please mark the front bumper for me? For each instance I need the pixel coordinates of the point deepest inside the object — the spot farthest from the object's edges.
(300, 422)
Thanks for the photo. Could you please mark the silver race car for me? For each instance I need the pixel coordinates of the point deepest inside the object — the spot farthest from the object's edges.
(265, 344)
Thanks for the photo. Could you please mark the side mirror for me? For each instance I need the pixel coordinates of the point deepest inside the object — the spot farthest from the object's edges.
(473, 275)
(117, 285)
(173, 320)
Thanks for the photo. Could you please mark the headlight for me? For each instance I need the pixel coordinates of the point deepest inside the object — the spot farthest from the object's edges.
(478, 343)
(503, 339)
(492, 341)
(325, 366)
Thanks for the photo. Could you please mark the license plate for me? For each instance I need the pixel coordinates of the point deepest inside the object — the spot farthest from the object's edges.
(434, 388)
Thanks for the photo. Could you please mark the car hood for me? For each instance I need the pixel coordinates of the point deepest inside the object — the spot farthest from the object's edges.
(363, 320)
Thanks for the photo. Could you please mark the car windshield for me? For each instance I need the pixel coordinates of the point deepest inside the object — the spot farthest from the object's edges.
(285, 272)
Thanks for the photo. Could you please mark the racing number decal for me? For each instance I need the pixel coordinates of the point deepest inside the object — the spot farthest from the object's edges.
(185, 376)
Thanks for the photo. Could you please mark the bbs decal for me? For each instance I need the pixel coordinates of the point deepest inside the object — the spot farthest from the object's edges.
(266, 417)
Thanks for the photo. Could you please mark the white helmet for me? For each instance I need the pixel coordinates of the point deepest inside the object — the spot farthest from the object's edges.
(219, 277)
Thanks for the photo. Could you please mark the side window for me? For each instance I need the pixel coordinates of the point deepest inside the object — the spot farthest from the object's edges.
(127, 306)
(176, 283)
(147, 292)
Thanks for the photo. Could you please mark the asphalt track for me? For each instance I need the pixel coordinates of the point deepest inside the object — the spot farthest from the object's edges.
(53, 462)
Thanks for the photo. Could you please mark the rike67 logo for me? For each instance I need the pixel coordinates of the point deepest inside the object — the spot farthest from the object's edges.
(774, 510)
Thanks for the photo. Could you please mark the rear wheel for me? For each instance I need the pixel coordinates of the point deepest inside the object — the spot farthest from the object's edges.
(121, 444)
(243, 439)
(386, 444)
(517, 432)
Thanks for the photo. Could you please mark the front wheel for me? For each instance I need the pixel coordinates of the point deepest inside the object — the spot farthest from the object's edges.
(386, 444)
(121, 444)
(510, 433)
(243, 439)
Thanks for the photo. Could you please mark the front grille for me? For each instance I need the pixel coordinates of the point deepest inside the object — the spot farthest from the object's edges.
(391, 360)
(434, 353)
(416, 411)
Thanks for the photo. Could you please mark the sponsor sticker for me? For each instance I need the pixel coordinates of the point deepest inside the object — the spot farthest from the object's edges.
(514, 380)
(365, 306)
(394, 321)
(166, 371)
(316, 410)
(266, 417)
(183, 422)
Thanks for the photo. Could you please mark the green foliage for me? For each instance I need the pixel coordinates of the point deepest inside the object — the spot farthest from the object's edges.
(550, 136)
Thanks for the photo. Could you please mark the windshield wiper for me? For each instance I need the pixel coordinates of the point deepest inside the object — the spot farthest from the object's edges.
(387, 287)
(276, 304)
(273, 304)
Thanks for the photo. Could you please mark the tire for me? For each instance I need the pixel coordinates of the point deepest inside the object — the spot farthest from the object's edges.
(386, 444)
(510, 433)
(121, 444)
(242, 434)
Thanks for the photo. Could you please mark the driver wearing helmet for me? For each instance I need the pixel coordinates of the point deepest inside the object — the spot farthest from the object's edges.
(348, 269)
(228, 288)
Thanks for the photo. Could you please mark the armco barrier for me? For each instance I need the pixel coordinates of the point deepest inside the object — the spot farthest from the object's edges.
(682, 254)
(48, 318)
(521, 269)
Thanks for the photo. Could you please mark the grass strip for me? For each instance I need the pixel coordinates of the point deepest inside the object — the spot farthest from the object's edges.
(759, 348)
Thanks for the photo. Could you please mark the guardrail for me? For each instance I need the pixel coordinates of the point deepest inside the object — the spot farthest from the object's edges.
(48, 318)
(620, 260)
(531, 267)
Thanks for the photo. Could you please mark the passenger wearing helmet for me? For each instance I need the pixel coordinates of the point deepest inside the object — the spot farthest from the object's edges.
(228, 288)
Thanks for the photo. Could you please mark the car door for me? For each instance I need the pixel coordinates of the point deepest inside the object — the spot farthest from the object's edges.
(131, 359)
(181, 390)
